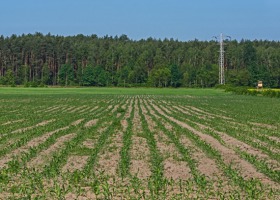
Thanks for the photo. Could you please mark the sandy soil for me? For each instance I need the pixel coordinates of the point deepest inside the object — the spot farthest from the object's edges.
(77, 122)
(75, 163)
(43, 123)
(45, 156)
(229, 156)
(12, 122)
(91, 123)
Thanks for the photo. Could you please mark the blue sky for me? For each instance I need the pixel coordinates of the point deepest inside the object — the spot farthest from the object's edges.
(179, 19)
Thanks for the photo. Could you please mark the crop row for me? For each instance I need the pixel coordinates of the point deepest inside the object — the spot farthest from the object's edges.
(135, 146)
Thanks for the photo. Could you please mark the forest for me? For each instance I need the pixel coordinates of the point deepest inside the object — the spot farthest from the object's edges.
(39, 60)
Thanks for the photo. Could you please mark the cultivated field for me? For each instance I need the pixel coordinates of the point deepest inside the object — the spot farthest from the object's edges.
(138, 144)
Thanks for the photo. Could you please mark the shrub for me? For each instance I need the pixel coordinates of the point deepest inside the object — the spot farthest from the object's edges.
(33, 84)
(26, 84)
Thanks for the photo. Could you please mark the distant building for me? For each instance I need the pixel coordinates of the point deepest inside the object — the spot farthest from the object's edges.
(260, 85)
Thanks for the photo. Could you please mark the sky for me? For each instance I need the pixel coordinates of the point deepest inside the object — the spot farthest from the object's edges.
(140, 19)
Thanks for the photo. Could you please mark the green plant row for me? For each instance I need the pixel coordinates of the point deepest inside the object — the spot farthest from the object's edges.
(253, 188)
(232, 131)
(125, 154)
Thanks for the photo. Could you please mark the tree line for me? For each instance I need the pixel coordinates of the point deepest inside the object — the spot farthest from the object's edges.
(38, 59)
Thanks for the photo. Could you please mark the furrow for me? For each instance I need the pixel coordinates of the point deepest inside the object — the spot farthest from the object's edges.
(46, 155)
(229, 156)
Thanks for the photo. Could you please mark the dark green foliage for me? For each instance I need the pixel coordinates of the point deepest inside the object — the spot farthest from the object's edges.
(9, 78)
(120, 61)
(88, 76)
(95, 76)
(176, 76)
(160, 77)
(66, 75)
(239, 77)
(123, 75)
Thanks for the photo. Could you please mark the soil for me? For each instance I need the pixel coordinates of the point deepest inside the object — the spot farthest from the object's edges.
(89, 143)
(229, 156)
(110, 156)
(262, 125)
(140, 158)
(176, 169)
(93, 109)
(115, 108)
(205, 165)
(108, 161)
(76, 109)
(84, 110)
(43, 123)
(76, 123)
(233, 143)
(75, 163)
(91, 123)
(12, 122)
(276, 139)
(31, 144)
(209, 114)
(45, 156)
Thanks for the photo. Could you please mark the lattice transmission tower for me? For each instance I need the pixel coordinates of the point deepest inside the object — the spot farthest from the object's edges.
(222, 79)
(221, 39)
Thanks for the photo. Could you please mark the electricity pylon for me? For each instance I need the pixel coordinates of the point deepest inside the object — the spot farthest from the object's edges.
(222, 79)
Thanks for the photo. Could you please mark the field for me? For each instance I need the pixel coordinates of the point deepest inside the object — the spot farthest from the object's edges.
(112, 143)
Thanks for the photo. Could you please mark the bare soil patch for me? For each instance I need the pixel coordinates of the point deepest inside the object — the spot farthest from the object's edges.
(109, 159)
(55, 108)
(76, 123)
(151, 124)
(46, 155)
(31, 144)
(229, 156)
(91, 123)
(115, 108)
(176, 169)
(89, 143)
(85, 109)
(234, 143)
(210, 114)
(188, 111)
(140, 158)
(140, 169)
(265, 144)
(36, 141)
(167, 125)
(276, 139)
(262, 125)
(110, 156)
(68, 109)
(93, 109)
(75, 163)
(205, 165)
(124, 122)
(12, 122)
(43, 123)
(137, 126)
(77, 109)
